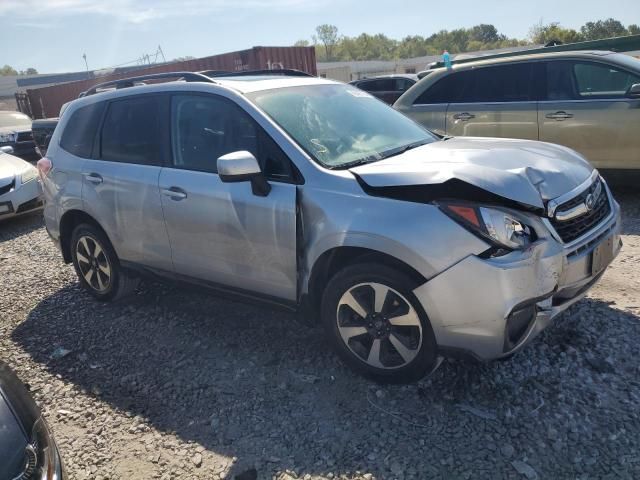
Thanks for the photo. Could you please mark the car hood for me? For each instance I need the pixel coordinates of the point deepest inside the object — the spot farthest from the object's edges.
(524, 171)
(11, 166)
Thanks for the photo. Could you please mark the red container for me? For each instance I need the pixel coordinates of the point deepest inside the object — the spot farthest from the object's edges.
(46, 102)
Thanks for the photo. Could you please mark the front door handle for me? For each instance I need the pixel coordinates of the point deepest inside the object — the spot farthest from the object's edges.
(174, 193)
(94, 178)
(464, 116)
(561, 115)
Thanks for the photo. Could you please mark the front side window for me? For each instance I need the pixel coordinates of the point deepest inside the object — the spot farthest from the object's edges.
(339, 125)
(80, 131)
(576, 80)
(133, 130)
(597, 80)
(206, 127)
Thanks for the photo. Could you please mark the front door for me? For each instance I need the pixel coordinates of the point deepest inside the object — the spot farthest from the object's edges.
(496, 101)
(222, 232)
(585, 108)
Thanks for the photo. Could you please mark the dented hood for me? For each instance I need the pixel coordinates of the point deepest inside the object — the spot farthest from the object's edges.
(524, 171)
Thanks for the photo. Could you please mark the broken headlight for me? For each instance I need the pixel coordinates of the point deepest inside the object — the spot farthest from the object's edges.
(497, 226)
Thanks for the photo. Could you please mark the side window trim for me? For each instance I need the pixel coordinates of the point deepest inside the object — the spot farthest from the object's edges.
(295, 177)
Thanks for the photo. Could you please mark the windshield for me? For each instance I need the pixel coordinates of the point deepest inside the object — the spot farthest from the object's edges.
(14, 119)
(339, 125)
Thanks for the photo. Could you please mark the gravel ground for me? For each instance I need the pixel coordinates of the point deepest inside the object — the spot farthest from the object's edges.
(181, 384)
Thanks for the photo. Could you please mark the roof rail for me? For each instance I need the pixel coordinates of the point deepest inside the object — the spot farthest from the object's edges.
(132, 81)
(289, 72)
(627, 43)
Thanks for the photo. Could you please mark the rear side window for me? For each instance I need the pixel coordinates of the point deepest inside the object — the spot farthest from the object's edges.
(444, 90)
(378, 85)
(80, 131)
(505, 83)
(403, 84)
(132, 130)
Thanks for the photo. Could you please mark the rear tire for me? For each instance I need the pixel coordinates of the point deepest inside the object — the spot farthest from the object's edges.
(376, 324)
(97, 265)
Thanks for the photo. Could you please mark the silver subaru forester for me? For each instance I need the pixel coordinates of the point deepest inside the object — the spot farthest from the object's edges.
(313, 195)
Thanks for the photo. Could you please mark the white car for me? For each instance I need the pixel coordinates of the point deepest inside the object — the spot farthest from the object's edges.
(20, 190)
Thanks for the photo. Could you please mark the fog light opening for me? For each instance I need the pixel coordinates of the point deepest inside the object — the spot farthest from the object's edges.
(518, 323)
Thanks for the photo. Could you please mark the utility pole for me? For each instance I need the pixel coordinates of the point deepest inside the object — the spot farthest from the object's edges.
(84, 55)
(162, 53)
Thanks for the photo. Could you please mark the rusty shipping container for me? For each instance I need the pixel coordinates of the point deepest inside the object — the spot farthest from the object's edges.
(46, 102)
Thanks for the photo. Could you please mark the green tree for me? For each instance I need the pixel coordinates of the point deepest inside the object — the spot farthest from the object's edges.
(603, 29)
(31, 71)
(543, 34)
(633, 29)
(8, 70)
(485, 34)
(301, 43)
(328, 36)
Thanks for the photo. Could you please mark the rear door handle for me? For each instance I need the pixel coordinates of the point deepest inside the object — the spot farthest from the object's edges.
(561, 115)
(174, 193)
(94, 178)
(464, 116)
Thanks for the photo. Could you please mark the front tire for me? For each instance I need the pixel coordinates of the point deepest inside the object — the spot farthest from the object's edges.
(97, 265)
(377, 325)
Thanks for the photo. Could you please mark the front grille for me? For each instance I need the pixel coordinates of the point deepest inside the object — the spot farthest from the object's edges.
(24, 137)
(7, 188)
(570, 230)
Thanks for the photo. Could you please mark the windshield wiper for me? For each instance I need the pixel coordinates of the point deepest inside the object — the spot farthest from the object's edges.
(355, 163)
(397, 151)
(374, 158)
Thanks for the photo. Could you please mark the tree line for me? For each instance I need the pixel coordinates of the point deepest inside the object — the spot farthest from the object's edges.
(331, 46)
(9, 70)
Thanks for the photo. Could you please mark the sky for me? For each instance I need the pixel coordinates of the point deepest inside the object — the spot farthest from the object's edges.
(53, 35)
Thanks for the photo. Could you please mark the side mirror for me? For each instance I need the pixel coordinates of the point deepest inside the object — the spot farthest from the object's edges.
(6, 149)
(634, 91)
(242, 166)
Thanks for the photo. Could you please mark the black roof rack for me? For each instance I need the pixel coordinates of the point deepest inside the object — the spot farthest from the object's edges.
(289, 72)
(132, 81)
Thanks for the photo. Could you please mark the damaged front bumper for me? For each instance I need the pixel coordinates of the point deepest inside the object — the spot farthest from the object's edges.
(490, 308)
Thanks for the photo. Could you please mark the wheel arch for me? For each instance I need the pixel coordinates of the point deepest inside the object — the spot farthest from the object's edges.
(69, 220)
(335, 259)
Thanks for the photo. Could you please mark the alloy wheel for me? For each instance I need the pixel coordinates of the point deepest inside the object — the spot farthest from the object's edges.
(93, 263)
(379, 325)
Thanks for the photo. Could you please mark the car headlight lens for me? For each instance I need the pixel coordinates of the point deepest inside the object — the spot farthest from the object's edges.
(499, 227)
(7, 137)
(29, 175)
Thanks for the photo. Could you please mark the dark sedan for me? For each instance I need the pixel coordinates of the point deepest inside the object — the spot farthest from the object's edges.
(387, 88)
(15, 132)
(27, 449)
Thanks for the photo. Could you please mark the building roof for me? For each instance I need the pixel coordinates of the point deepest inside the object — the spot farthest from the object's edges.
(11, 84)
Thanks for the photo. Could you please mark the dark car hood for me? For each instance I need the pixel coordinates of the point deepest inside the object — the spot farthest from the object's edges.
(524, 171)
(18, 414)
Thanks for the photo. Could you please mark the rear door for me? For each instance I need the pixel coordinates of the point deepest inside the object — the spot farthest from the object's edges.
(222, 232)
(495, 101)
(121, 179)
(585, 108)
